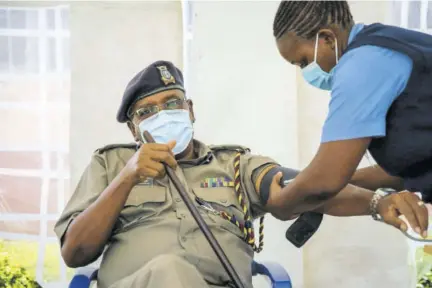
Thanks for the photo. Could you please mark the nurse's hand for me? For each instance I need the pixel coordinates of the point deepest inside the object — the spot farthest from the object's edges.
(407, 204)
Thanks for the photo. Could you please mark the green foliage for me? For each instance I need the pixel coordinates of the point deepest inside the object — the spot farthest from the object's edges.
(425, 281)
(423, 268)
(13, 276)
(24, 254)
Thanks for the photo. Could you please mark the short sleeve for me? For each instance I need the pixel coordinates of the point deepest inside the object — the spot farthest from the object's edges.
(91, 185)
(249, 164)
(366, 81)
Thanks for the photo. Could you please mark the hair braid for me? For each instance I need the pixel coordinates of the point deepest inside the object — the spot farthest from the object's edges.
(306, 18)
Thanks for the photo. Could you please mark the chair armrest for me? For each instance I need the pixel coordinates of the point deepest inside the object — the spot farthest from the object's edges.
(83, 277)
(274, 271)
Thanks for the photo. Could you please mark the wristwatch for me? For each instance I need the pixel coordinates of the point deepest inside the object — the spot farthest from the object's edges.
(373, 204)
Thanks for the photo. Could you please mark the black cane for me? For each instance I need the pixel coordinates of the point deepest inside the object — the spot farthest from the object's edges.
(200, 221)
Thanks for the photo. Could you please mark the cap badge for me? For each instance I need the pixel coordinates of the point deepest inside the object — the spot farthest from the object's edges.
(166, 76)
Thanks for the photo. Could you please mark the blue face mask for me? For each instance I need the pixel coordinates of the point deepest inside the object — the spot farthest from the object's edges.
(313, 73)
(169, 125)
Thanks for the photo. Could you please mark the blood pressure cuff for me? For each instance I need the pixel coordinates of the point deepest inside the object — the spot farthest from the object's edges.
(288, 174)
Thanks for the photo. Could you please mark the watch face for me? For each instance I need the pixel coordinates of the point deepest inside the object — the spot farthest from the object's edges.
(388, 190)
(385, 191)
(381, 192)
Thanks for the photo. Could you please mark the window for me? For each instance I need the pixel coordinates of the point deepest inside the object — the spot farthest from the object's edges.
(34, 150)
(416, 15)
(28, 33)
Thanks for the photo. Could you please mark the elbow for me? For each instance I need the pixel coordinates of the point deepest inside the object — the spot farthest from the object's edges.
(324, 189)
(330, 186)
(73, 255)
(69, 250)
(76, 256)
(68, 258)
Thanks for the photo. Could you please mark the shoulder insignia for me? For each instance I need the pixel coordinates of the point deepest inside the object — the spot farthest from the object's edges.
(235, 148)
(115, 146)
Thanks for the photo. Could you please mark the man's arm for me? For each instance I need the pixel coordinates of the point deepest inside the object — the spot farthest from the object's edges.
(374, 177)
(86, 230)
(91, 213)
(88, 233)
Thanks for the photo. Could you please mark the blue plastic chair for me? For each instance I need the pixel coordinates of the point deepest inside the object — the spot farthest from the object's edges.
(276, 273)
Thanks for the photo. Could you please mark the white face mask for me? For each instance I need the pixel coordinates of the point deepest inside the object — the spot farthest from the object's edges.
(169, 125)
(313, 73)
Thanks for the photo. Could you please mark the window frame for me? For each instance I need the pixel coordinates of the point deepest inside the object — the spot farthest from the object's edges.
(42, 105)
(403, 18)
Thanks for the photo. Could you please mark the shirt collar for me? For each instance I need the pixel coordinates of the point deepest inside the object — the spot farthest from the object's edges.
(205, 155)
(354, 31)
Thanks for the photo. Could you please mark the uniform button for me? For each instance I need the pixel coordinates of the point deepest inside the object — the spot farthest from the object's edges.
(183, 215)
(177, 199)
(224, 201)
(183, 239)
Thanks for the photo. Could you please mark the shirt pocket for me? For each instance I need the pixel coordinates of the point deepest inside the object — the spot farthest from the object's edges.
(143, 203)
(223, 199)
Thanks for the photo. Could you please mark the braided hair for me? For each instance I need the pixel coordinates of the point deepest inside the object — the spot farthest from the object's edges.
(306, 18)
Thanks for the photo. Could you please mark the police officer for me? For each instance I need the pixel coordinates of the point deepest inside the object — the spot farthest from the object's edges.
(379, 78)
(125, 207)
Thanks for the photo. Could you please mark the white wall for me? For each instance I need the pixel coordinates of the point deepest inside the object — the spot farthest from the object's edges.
(245, 94)
(110, 43)
(349, 252)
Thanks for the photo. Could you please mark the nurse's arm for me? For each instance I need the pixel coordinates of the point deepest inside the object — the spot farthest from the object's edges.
(375, 177)
(350, 201)
(328, 173)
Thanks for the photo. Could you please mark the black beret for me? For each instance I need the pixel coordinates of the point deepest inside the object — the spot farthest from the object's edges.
(157, 77)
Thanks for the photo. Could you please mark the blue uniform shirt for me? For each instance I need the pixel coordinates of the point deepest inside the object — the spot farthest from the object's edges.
(365, 83)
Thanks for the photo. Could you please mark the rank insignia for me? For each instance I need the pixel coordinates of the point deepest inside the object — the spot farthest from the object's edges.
(166, 76)
(217, 182)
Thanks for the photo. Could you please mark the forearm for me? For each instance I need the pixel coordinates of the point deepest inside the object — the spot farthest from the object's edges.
(295, 199)
(375, 177)
(302, 194)
(88, 233)
(298, 197)
(292, 199)
(350, 201)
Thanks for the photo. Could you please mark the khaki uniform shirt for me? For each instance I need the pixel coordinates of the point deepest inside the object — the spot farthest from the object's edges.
(156, 221)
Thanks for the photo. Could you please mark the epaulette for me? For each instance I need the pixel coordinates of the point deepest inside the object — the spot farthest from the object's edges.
(115, 146)
(236, 148)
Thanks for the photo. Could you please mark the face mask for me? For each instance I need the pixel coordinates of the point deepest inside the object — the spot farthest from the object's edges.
(313, 73)
(169, 125)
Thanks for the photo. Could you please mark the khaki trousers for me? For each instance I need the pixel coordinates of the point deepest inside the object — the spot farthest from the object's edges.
(165, 271)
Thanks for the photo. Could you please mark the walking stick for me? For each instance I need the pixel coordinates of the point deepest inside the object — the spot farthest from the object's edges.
(200, 221)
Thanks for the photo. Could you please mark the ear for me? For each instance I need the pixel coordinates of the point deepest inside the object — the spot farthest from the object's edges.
(329, 37)
(134, 131)
(191, 111)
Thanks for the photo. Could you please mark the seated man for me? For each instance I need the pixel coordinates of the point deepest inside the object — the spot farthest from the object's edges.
(125, 207)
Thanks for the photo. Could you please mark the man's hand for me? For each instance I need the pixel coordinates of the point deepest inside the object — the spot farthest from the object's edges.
(408, 204)
(147, 161)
